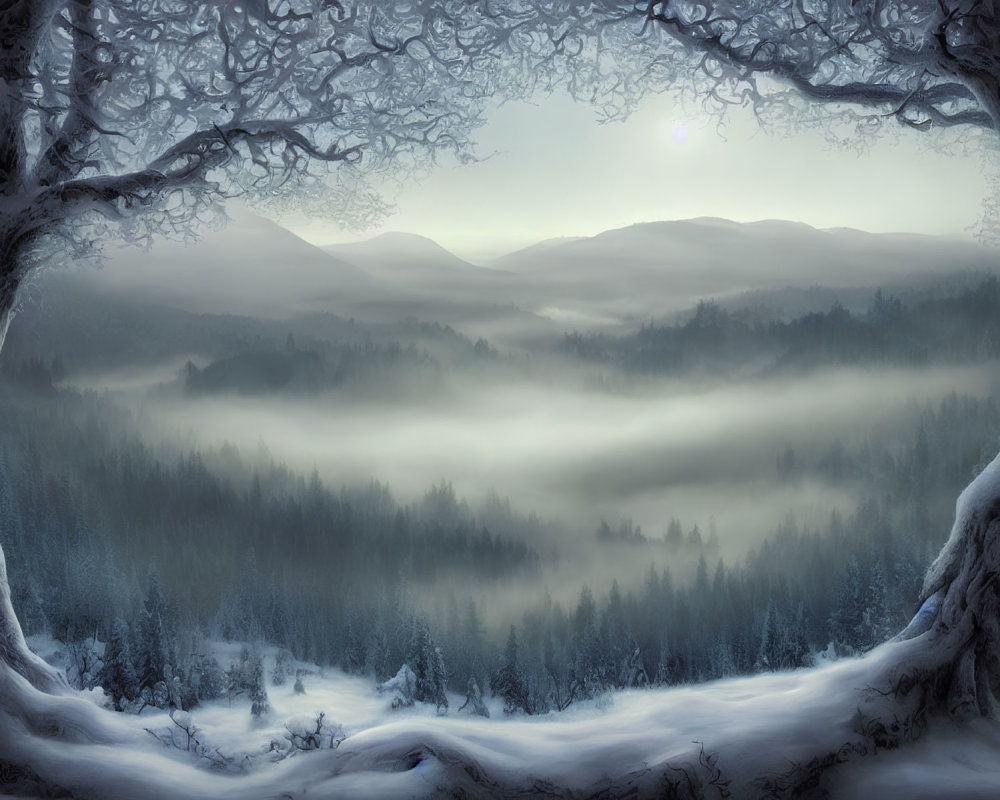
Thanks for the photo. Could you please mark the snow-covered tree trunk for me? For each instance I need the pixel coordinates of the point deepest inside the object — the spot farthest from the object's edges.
(6, 317)
(948, 658)
(10, 270)
(14, 652)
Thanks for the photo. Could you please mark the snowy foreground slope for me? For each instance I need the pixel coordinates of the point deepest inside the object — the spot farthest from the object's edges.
(916, 718)
(644, 742)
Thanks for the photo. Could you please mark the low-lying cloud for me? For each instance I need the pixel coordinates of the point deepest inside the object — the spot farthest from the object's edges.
(660, 451)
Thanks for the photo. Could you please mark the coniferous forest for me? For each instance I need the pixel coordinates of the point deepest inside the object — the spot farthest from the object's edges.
(163, 547)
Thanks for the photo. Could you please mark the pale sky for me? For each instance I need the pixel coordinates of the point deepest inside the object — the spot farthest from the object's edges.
(556, 172)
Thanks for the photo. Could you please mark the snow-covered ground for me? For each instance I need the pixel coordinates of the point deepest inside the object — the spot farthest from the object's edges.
(839, 730)
(874, 727)
(726, 736)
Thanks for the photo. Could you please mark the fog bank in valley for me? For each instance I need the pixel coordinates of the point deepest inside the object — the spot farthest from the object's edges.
(560, 436)
(662, 450)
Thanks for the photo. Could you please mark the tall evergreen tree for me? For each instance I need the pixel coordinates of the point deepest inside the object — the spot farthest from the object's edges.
(153, 644)
(259, 703)
(438, 687)
(508, 681)
(117, 673)
(421, 658)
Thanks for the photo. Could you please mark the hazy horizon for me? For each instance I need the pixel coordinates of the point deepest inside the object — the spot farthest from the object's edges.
(489, 257)
(552, 170)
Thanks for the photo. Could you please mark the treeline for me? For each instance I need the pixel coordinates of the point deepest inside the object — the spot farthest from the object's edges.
(326, 366)
(96, 526)
(109, 541)
(86, 331)
(839, 591)
(964, 327)
(832, 591)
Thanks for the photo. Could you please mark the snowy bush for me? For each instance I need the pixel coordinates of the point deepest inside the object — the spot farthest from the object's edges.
(159, 696)
(85, 663)
(474, 703)
(207, 678)
(184, 735)
(313, 733)
(246, 676)
(183, 721)
(402, 687)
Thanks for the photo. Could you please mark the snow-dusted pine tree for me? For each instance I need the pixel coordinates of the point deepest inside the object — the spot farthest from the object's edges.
(438, 688)
(117, 674)
(259, 703)
(509, 683)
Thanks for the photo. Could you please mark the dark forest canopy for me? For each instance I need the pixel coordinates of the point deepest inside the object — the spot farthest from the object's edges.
(960, 328)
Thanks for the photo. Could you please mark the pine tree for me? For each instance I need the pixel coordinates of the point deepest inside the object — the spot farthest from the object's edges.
(212, 679)
(152, 648)
(472, 641)
(282, 668)
(877, 620)
(175, 690)
(353, 649)
(633, 672)
(675, 534)
(508, 682)
(439, 682)
(377, 655)
(259, 705)
(847, 619)
(420, 657)
(766, 641)
(117, 673)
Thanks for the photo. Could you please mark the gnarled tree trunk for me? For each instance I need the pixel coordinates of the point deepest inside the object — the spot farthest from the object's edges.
(948, 657)
(9, 282)
(6, 317)
(14, 652)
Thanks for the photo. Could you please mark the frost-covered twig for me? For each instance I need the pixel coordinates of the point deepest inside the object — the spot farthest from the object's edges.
(193, 743)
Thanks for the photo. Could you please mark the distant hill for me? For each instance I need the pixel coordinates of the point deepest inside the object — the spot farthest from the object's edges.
(253, 266)
(670, 265)
(610, 282)
(414, 261)
(539, 249)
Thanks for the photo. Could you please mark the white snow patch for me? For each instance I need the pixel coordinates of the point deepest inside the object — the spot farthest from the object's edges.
(756, 725)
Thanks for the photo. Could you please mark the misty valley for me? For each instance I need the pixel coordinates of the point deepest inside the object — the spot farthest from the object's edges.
(497, 399)
(504, 491)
